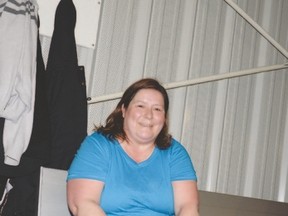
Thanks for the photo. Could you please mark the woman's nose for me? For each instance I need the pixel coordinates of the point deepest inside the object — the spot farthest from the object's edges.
(148, 113)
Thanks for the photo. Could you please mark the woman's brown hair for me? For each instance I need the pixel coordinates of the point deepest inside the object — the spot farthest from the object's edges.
(114, 123)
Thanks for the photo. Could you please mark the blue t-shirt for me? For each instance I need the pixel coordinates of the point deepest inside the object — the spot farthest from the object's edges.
(132, 188)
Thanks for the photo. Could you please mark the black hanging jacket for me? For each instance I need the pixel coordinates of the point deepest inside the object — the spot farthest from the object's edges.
(66, 89)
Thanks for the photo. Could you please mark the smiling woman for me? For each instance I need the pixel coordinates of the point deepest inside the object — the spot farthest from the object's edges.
(143, 120)
(132, 165)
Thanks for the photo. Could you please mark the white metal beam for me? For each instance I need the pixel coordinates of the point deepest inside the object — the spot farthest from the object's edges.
(198, 81)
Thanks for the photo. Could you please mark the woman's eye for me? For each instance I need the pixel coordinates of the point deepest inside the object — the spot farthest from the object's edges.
(158, 109)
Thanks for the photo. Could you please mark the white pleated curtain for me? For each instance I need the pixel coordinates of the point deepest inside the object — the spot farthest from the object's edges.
(236, 130)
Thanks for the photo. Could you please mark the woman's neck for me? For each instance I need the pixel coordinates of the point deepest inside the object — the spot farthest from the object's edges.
(137, 152)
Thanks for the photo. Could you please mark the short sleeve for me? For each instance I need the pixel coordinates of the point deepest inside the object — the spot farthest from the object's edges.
(92, 159)
(181, 166)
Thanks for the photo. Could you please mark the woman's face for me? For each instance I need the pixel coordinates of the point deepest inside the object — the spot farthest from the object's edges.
(144, 117)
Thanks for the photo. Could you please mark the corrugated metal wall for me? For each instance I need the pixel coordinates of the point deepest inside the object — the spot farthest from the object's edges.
(236, 130)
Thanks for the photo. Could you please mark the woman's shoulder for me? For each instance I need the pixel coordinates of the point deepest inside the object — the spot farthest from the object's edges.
(176, 149)
(97, 136)
(98, 140)
(175, 145)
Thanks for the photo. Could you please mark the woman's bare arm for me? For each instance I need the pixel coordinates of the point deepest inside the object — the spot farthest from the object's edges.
(83, 196)
(186, 199)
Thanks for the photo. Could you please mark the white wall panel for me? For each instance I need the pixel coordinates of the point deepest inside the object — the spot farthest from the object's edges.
(235, 129)
(88, 13)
